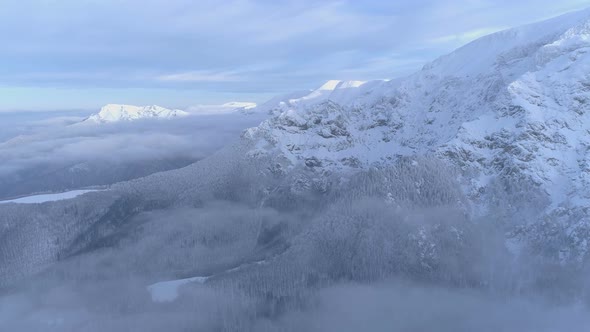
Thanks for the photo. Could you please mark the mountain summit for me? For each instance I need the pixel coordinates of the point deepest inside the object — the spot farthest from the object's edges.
(116, 113)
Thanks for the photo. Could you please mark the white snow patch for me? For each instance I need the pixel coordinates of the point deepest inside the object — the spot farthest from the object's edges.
(167, 291)
(330, 85)
(48, 197)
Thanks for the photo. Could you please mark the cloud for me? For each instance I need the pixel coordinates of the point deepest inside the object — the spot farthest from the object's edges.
(201, 76)
(406, 307)
(194, 137)
(51, 147)
(213, 47)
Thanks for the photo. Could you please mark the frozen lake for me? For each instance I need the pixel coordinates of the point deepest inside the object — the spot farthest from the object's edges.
(48, 197)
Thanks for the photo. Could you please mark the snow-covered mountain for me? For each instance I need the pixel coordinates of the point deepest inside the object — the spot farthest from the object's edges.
(511, 110)
(115, 113)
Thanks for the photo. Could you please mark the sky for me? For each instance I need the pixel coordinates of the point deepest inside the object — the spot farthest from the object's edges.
(81, 54)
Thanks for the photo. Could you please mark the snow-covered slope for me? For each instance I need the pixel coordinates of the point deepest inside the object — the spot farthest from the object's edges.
(511, 110)
(116, 113)
(343, 92)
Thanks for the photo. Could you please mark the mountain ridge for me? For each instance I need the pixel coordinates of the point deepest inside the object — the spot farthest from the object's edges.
(509, 110)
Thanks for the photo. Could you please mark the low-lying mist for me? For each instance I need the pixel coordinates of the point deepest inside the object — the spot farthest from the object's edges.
(391, 249)
(56, 153)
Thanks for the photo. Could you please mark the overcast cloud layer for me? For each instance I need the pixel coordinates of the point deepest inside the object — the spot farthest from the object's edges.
(73, 54)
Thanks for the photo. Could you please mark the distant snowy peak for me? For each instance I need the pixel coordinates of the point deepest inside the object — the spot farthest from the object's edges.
(116, 113)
